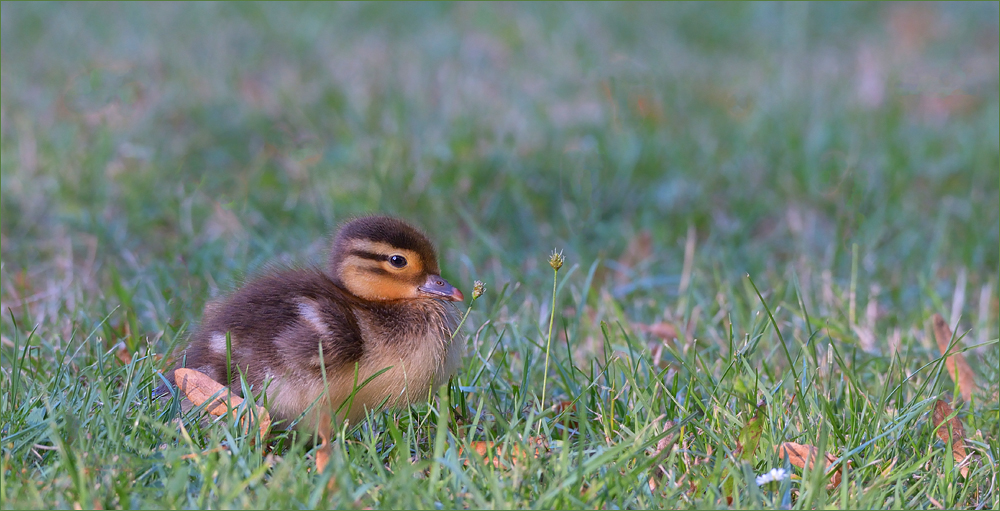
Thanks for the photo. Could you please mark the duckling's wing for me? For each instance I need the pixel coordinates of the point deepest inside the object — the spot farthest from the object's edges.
(276, 325)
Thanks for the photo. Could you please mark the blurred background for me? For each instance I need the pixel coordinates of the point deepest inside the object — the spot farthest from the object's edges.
(152, 154)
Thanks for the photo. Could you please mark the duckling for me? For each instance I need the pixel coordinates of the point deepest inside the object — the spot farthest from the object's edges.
(381, 304)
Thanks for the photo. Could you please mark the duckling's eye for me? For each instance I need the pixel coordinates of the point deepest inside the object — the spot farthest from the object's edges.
(397, 261)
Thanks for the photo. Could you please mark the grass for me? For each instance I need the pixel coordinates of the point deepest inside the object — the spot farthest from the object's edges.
(791, 190)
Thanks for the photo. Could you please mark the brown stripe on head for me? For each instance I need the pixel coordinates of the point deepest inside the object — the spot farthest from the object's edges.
(391, 231)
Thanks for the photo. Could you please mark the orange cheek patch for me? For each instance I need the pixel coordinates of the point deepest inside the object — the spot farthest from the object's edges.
(362, 283)
(392, 289)
(409, 273)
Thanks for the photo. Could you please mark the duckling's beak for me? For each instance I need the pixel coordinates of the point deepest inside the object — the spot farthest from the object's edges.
(437, 287)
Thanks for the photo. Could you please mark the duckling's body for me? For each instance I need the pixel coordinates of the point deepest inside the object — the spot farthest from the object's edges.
(380, 304)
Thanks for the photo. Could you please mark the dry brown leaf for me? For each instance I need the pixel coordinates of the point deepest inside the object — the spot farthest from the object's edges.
(516, 455)
(802, 455)
(966, 378)
(566, 409)
(561, 406)
(912, 26)
(649, 107)
(954, 435)
(666, 441)
(665, 331)
(195, 455)
(639, 249)
(663, 448)
(888, 470)
(935, 107)
(311, 160)
(121, 351)
(323, 459)
(323, 455)
(199, 388)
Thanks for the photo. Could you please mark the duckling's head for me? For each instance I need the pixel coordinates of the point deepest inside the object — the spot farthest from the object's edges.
(380, 258)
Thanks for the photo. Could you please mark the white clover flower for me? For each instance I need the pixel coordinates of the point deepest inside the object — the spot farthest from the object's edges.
(776, 474)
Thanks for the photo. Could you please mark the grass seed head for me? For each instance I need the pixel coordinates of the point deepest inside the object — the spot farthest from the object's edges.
(556, 259)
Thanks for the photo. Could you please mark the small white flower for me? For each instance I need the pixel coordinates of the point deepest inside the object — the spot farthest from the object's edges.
(776, 474)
